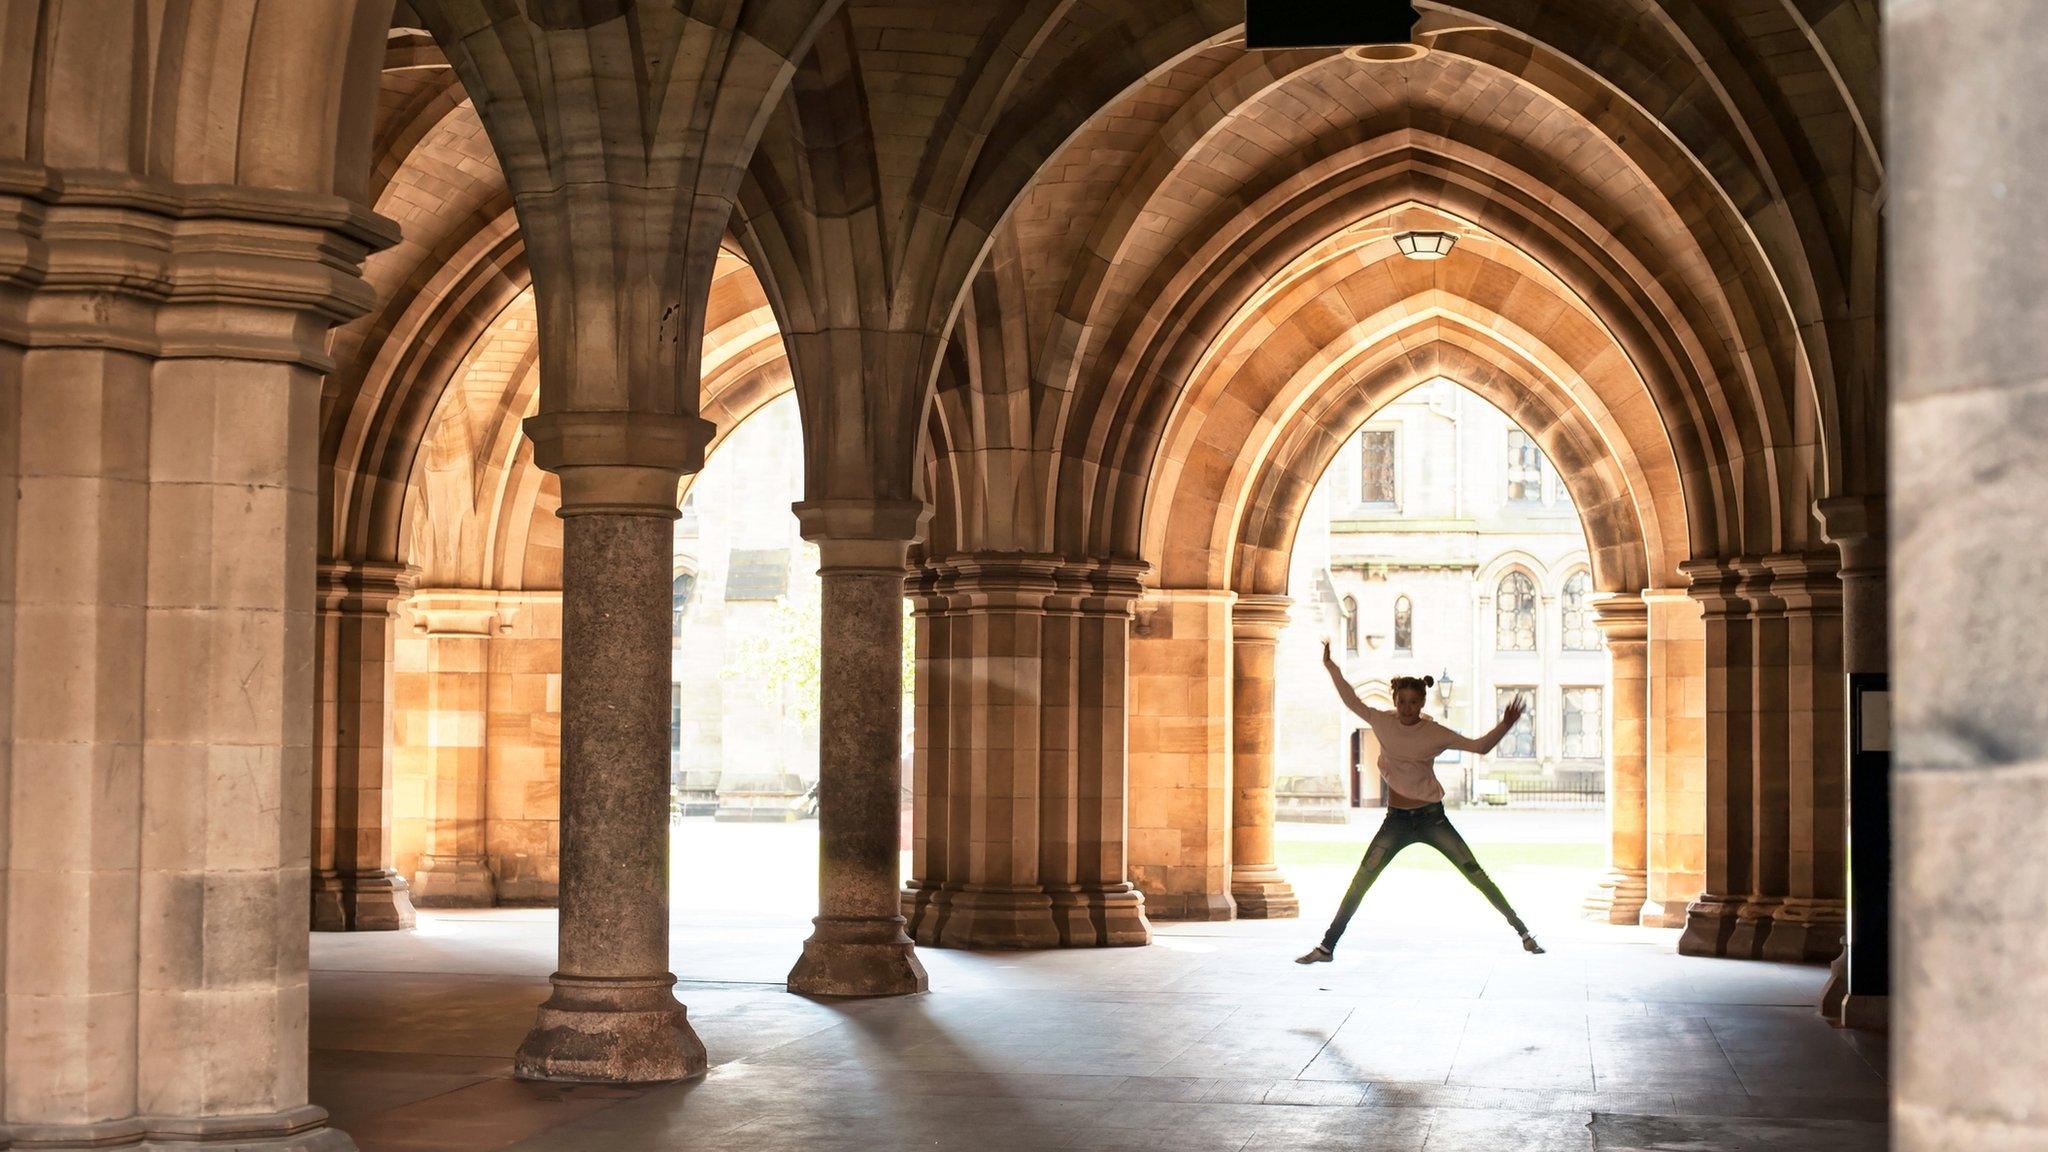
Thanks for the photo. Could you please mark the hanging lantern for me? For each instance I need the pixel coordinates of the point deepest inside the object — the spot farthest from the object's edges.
(1425, 245)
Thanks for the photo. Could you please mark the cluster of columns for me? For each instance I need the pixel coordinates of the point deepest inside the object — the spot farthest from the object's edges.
(1776, 780)
(1019, 838)
(158, 453)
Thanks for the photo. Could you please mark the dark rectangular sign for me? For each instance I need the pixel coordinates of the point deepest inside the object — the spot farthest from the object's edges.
(1327, 23)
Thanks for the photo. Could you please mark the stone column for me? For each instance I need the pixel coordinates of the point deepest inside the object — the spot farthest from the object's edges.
(1859, 989)
(1084, 856)
(1677, 769)
(1180, 754)
(858, 946)
(355, 887)
(983, 689)
(613, 1015)
(1711, 920)
(1624, 622)
(1770, 768)
(1809, 919)
(162, 586)
(1261, 892)
(1967, 112)
(454, 871)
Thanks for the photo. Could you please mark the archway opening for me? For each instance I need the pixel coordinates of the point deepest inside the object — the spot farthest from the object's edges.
(1440, 541)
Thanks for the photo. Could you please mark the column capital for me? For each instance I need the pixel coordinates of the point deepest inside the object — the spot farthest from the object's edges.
(1805, 581)
(1717, 585)
(619, 463)
(1856, 525)
(862, 535)
(364, 587)
(1621, 617)
(1258, 617)
(169, 270)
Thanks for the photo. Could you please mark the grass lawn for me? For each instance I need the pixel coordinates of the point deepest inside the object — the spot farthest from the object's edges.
(1495, 857)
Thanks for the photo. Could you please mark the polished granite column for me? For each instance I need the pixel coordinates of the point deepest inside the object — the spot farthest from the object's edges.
(613, 1015)
(858, 946)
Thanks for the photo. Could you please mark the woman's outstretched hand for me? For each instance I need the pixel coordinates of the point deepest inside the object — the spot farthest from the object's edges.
(1512, 713)
(1328, 659)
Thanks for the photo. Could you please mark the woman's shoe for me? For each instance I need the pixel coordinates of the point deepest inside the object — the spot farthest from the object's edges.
(1315, 955)
(1530, 945)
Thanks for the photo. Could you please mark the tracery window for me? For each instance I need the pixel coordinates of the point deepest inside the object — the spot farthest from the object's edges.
(1520, 742)
(1376, 467)
(1350, 626)
(1580, 635)
(1583, 723)
(1524, 469)
(1404, 625)
(1514, 614)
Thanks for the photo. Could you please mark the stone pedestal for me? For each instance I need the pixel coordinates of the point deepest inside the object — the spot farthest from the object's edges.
(613, 1016)
(858, 946)
(1624, 622)
(355, 887)
(1256, 884)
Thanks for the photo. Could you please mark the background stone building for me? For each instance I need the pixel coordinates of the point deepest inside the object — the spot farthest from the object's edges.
(1442, 542)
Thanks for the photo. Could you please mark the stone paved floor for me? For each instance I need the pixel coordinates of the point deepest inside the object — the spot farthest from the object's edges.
(1433, 1031)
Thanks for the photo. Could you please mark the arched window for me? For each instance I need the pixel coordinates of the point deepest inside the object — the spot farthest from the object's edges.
(1404, 625)
(1579, 633)
(679, 601)
(1350, 626)
(1514, 614)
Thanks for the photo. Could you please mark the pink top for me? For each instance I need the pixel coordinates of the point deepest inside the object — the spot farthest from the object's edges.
(1408, 753)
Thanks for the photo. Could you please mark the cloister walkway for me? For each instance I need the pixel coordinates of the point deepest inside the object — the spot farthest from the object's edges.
(1431, 1032)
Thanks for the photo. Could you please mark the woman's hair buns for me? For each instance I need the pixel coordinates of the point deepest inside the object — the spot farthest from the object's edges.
(1419, 683)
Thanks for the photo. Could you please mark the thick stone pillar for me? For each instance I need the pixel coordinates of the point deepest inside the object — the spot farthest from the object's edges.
(1967, 109)
(162, 584)
(1261, 892)
(1180, 754)
(978, 828)
(1677, 760)
(613, 1015)
(1624, 622)
(1711, 920)
(1020, 822)
(1084, 854)
(1810, 916)
(858, 946)
(355, 888)
(454, 871)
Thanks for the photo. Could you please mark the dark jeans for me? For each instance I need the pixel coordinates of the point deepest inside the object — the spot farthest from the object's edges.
(1405, 826)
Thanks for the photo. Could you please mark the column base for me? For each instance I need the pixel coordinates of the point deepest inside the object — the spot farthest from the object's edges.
(1196, 906)
(980, 917)
(361, 902)
(1619, 897)
(453, 882)
(1109, 916)
(858, 956)
(298, 1130)
(1261, 893)
(1806, 931)
(598, 1031)
(1867, 1013)
(1664, 915)
(1752, 927)
(1709, 922)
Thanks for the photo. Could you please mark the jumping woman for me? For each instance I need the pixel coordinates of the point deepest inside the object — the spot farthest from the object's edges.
(1409, 745)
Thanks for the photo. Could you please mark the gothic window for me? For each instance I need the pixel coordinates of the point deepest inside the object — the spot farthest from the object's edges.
(1514, 614)
(1404, 625)
(675, 718)
(1582, 723)
(679, 601)
(1579, 633)
(1350, 626)
(1524, 469)
(1520, 742)
(1376, 468)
